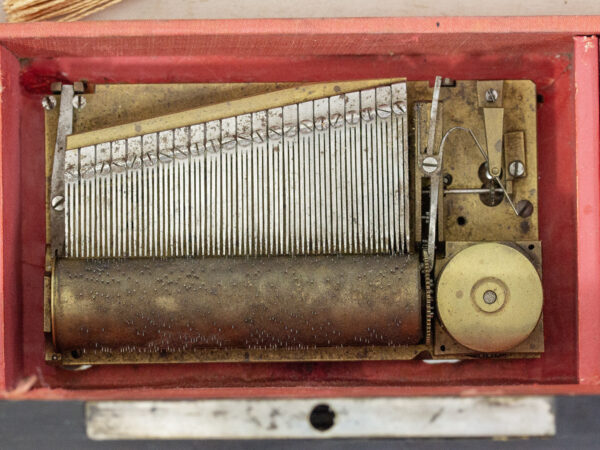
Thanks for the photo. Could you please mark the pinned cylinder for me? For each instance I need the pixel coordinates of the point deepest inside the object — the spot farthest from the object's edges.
(182, 304)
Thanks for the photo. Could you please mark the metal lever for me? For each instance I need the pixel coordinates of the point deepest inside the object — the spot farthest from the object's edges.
(485, 157)
(432, 166)
(432, 162)
(57, 183)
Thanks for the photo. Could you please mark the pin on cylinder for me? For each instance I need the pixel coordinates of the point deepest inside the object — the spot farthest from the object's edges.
(182, 304)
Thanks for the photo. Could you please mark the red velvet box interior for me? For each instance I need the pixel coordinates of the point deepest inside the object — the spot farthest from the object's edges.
(254, 51)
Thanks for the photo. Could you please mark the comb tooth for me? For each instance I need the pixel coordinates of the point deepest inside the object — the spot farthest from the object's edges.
(141, 213)
(259, 134)
(230, 150)
(99, 181)
(103, 168)
(148, 161)
(375, 185)
(165, 160)
(397, 168)
(370, 219)
(304, 179)
(288, 213)
(281, 186)
(68, 216)
(399, 108)
(316, 237)
(321, 136)
(307, 145)
(194, 180)
(273, 182)
(336, 110)
(170, 227)
(209, 199)
(173, 205)
(94, 205)
(181, 144)
(274, 132)
(153, 195)
(383, 97)
(213, 135)
(323, 176)
(134, 146)
(193, 192)
(404, 181)
(242, 123)
(255, 195)
(367, 105)
(390, 234)
(293, 200)
(218, 233)
(242, 201)
(87, 174)
(243, 168)
(118, 158)
(198, 151)
(71, 178)
(74, 211)
(352, 116)
(228, 129)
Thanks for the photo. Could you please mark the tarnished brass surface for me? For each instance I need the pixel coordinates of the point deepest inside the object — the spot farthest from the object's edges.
(447, 347)
(243, 105)
(81, 317)
(178, 305)
(207, 355)
(465, 216)
(117, 104)
(489, 297)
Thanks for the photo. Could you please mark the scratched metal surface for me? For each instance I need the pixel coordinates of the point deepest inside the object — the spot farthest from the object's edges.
(143, 306)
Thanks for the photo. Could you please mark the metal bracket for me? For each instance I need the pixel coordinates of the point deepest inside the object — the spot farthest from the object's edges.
(432, 166)
(57, 183)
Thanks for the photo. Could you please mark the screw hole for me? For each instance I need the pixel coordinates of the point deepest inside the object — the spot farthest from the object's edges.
(76, 354)
(322, 417)
(443, 348)
(461, 221)
(531, 247)
(447, 179)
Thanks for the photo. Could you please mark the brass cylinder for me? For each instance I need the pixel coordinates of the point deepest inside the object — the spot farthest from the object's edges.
(181, 304)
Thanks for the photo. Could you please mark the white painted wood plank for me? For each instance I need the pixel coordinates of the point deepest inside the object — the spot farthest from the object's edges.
(352, 417)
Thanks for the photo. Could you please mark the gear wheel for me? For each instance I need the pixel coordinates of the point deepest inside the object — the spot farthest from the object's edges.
(428, 283)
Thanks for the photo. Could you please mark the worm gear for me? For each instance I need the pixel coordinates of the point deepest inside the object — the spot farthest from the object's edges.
(428, 287)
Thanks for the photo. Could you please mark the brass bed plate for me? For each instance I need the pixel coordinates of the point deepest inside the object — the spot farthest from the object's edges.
(110, 105)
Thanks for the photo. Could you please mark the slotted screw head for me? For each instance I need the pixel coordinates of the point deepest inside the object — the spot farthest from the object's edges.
(491, 95)
(430, 164)
(79, 102)
(58, 203)
(49, 102)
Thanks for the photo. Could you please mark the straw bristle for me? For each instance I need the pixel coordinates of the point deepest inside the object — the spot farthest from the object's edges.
(61, 10)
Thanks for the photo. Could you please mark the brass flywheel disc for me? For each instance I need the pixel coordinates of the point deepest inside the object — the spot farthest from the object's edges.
(489, 297)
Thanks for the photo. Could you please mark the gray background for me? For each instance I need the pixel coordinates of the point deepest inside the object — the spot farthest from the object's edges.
(60, 425)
